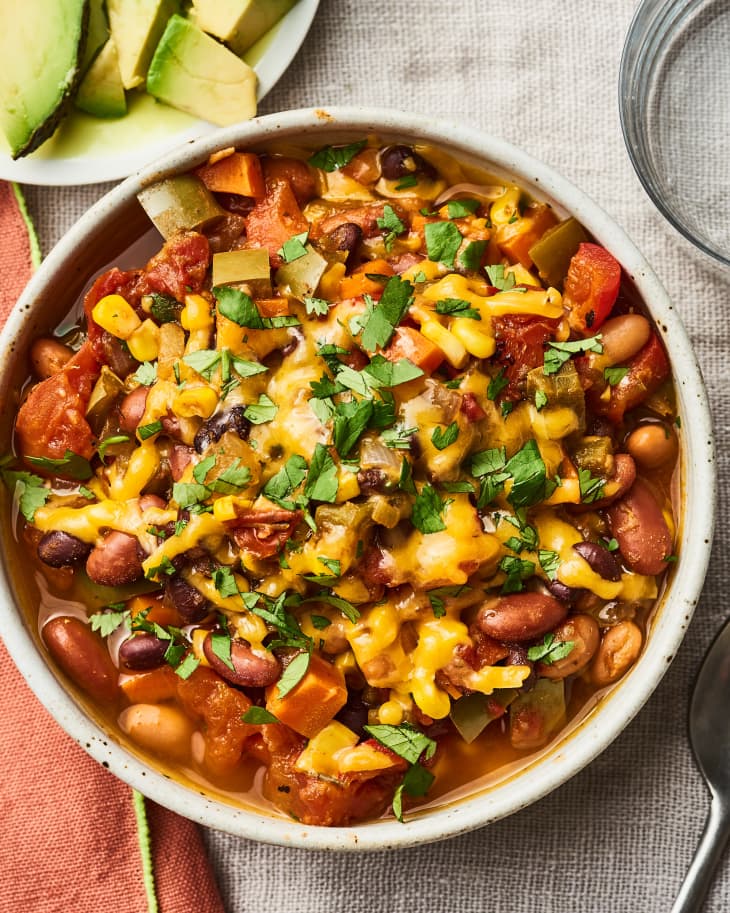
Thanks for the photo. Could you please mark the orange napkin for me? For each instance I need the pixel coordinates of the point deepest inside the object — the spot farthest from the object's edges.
(75, 839)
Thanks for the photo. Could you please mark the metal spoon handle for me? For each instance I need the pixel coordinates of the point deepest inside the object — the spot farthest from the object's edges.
(698, 879)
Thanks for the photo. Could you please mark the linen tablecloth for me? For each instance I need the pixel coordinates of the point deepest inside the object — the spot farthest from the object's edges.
(619, 836)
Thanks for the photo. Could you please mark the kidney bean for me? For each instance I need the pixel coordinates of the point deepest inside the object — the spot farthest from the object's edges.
(48, 356)
(565, 593)
(160, 728)
(147, 501)
(600, 560)
(653, 445)
(251, 669)
(520, 616)
(190, 603)
(59, 549)
(624, 473)
(83, 656)
(638, 525)
(179, 458)
(132, 409)
(580, 630)
(216, 426)
(143, 651)
(115, 561)
(618, 651)
(399, 161)
(622, 337)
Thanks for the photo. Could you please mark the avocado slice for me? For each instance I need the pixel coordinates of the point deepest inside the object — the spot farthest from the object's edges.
(136, 28)
(41, 48)
(97, 33)
(240, 23)
(193, 72)
(101, 92)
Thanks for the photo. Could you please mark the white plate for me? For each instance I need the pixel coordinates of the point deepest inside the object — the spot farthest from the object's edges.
(89, 150)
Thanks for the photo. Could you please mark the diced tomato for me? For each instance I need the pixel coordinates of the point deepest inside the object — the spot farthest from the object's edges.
(180, 267)
(515, 239)
(521, 342)
(591, 287)
(239, 173)
(471, 408)
(294, 172)
(274, 220)
(112, 282)
(413, 345)
(52, 419)
(264, 532)
(365, 216)
(648, 370)
(358, 284)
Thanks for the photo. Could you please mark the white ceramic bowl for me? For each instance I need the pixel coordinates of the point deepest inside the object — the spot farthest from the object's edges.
(112, 224)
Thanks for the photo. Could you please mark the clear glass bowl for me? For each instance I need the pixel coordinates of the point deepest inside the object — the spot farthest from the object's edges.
(674, 101)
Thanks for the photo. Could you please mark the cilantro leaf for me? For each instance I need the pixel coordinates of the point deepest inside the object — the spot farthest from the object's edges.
(549, 562)
(293, 674)
(443, 438)
(108, 442)
(427, 511)
(457, 307)
(203, 361)
(550, 650)
(387, 313)
(399, 438)
(349, 422)
(164, 308)
(232, 479)
(436, 597)
(220, 644)
(409, 180)
(186, 494)
(264, 410)
(225, 582)
(146, 374)
(289, 477)
(615, 375)
(591, 489)
(384, 373)
(530, 483)
(404, 740)
(459, 209)
(333, 157)
(258, 716)
(294, 248)
(321, 482)
(517, 570)
(317, 306)
(391, 224)
(71, 465)
(471, 255)
(540, 399)
(105, 623)
(337, 602)
(238, 307)
(187, 666)
(497, 384)
(488, 461)
(416, 782)
(443, 240)
(558, 353)
(203, 468)
(320, 622)
(499, 278)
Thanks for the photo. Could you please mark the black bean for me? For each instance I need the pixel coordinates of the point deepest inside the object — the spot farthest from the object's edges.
(189, 602)
(562, 592)
(216, 426)
(354, 714)
(600, 560)
(399, 161)
(346, 236)
(143, 651)
(57, 549)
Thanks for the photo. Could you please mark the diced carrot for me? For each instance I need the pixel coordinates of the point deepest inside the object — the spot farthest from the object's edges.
(311, 704)
(364, 167)
(272, 307)
(358, 283)
(413, 345)
(158, 613)
(150, 687)
(516, 239)
(274, 220)
(238, 173)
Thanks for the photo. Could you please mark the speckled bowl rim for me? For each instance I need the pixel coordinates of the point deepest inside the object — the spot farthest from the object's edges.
(568, 754)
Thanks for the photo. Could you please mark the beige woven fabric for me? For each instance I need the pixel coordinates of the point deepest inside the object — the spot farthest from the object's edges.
(618, 837)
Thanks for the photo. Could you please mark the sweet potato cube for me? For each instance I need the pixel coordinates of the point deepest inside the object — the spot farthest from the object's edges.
(237, 173)
(516, 238)
(150, 687)
(311, 704)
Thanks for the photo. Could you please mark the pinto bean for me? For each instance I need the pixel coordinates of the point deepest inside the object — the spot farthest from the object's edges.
(638, 525)
(59, 549)
(159, 728)
(216, 426)
(580, 630)
(190, 603)
(83, 657)
(653, 445)
(132, 409)
(48, 356)
(180, 456)
(143, 651)
(622, 337)
(600, 560)
(251, 668)
(618, 651)
(115, 561)
(520, 616)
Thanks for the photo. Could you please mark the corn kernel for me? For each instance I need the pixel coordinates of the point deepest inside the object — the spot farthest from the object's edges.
(196, 314)
(144, 343)
(329, 284)
(115, 315)
(474, 340)
(347, 486)
(195, 401)
(390, 713)
(228, 507)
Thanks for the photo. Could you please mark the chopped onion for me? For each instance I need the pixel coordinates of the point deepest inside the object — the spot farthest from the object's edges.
(375, 455)
(487, 192)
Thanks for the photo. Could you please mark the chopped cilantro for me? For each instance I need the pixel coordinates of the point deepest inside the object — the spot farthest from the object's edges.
(391, 224)
(241, 309)
(293, 674)
(591, 489)
(187, 666)
(71, 465)
(559, 352)
(549, 562)
(147, 431)
(505, 407)
(457, 307)
(261, 411)
(293, 248)
(427, 511)
(615, 375)
(416, 782)
(317, 306)
(530, 483)
(321, 482)
(405, 481)
(405, 740)
(540, 399)
(350, 421)
(387, 313)
(333, 157)
(146, 374)
(443, 240)
(443, 438)
(164, 308)
(471, 255)
(320, 622)
(287, 479)
(496, 385)
(108, 441)
(499, 278)
(437, 596)
(106, 622)
(29, 491)
(186, 494)
(399, 438)
(258, 716)
(517, 570)
(220, 644)
(459, 209)
(410, 180)
(550, 650)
